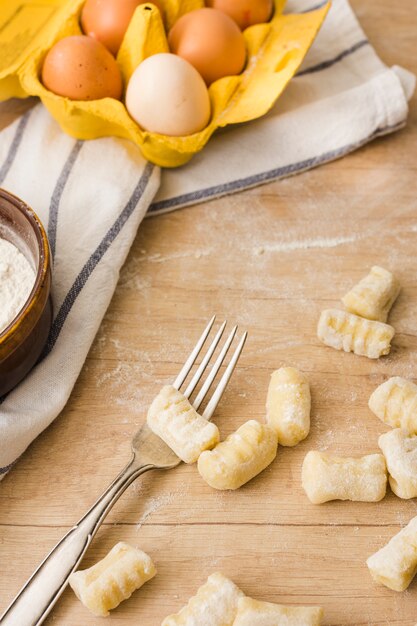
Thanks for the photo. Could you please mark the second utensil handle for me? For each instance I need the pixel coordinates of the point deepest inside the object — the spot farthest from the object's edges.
(37, 597)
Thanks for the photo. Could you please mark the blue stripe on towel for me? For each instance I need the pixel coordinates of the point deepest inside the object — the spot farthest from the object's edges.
(57, 194)
(325, 64)
(265, 177)
(96, 257)
(4, 470)
(14, 146)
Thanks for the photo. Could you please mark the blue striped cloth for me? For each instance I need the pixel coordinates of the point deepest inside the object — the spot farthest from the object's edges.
(92, 196)
(342, 98)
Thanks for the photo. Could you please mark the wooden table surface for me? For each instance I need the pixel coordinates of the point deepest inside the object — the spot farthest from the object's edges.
(230, 257)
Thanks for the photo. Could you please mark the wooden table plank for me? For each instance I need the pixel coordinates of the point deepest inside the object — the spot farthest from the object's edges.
(309, 565)
(271, 258)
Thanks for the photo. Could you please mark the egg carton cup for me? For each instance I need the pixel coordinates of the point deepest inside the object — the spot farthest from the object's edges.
(275, 51)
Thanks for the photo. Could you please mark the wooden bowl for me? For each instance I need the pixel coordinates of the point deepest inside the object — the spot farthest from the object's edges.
(22, 341)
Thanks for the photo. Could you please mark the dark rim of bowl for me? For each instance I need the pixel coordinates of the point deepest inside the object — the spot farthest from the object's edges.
(44, 259)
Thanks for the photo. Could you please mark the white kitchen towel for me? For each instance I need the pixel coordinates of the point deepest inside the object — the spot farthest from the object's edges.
(91, 198)
(342, 97)
(92, 195)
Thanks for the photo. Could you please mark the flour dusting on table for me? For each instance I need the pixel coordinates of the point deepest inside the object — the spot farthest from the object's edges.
(16, 282)
(305, 244)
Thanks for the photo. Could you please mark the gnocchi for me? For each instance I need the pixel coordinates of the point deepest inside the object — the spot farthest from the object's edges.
(395, 403)
(288, 405)
(400, 452)
(215, 604)
(395, 564)
(374, 295)
(326, 477)
(254, 613)
(243, 455)
(351, 333)
(175, 421)
(106, 584)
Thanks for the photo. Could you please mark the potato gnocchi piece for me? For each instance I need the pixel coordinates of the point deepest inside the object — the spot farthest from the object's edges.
(288, 405)
(374, 295)
(395, 403)
(106, 584)
(326, 477)
(240, 457)
(215, 604)
(395, 565)
(174, 420)
(400, 452)
(254, 613)
(351, 333)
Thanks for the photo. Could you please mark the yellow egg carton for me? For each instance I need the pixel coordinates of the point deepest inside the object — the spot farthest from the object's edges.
(29, 28)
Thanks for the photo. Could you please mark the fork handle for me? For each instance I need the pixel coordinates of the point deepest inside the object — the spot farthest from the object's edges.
(39, 594)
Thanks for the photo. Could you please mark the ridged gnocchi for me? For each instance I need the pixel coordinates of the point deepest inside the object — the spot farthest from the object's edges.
(395, 565)
(326, 477)
(395, 403)
(106, 584)
(400, 452)
(351, 333)
(174, 420)
(288, 405)
(215, 604)
(254, 613)
(240, 457)
(374, 295)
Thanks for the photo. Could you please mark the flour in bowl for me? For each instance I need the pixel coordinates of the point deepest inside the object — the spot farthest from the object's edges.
(16, 282)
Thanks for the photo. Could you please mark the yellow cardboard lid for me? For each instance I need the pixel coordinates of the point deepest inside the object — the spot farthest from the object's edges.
(28, 28)
(22, 23)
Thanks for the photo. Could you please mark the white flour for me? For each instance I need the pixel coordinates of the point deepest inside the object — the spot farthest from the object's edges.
(16, 282)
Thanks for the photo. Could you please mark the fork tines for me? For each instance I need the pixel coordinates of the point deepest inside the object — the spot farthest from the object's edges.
(221, 386)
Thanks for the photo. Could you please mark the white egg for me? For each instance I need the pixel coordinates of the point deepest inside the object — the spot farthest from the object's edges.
(167, 95)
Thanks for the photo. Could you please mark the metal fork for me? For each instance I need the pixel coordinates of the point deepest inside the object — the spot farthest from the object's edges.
(40, 593)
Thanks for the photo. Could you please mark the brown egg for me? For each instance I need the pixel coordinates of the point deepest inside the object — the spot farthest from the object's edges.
(244, 12)
(211, 41)
(107, 20)
(81, 68)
